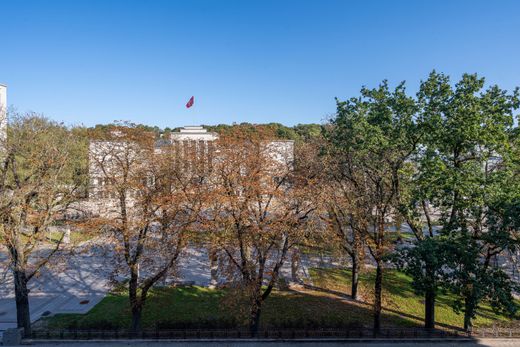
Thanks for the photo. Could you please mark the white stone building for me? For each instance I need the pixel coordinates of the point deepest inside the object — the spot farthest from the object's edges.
(188, 143)
(193, 133)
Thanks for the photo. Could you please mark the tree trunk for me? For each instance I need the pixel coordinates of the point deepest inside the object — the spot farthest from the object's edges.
(295, 265)
(429, 297)
(135, 303)
(213, 265)
(468, 313)
(23, 316)
(429, 309)
(136, 319)
(254, 318)
(378, 291)
(355, 275)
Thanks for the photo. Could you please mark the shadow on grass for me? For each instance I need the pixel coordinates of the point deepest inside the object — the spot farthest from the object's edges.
(418, 321)
(400, 296)
(196, 307)
(394, 282)
(315, 309)
(329, 291)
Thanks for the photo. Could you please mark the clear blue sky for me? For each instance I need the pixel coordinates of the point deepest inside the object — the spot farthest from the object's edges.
(263, 61)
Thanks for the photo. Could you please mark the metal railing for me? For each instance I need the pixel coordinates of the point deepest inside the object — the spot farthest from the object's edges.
(182, 334)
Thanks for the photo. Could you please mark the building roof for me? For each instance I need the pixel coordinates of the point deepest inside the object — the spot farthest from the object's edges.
(195, 132)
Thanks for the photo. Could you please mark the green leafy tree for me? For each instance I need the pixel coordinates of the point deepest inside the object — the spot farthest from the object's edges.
(466, 165)
(374, 136)
(307, 132)
(43, 174)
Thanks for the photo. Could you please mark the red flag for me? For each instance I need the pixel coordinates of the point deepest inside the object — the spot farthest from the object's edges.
(190, 102)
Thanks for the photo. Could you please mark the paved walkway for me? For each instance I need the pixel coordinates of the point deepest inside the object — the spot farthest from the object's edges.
(74, 288)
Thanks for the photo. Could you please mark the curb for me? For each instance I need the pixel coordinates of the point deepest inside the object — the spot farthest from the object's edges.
(304, 341)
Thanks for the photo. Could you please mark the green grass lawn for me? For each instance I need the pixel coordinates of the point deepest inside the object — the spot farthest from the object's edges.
(405, 236)
(75, 236)
(194, 307)
(323, 307)
(399, 299)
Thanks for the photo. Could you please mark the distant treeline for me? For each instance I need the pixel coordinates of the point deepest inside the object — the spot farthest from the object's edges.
(299, 132)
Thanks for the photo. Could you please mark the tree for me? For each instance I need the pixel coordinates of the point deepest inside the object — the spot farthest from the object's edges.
(466, 165)
(308, 132)
(374, 135)
(257, 213)
(154, 197)
(425, 262)
(345, 221)
(42, 175)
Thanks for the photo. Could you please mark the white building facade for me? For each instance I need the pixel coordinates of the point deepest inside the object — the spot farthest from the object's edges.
(194, 149)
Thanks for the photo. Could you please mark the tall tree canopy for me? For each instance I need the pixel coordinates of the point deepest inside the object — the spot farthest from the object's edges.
(466, 165)
(43, 174)
(373, 136)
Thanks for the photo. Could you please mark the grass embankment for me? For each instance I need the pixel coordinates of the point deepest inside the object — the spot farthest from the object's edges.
(399, 299)
(326, 307)
(197, 307)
